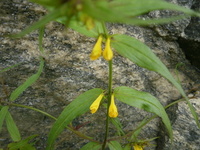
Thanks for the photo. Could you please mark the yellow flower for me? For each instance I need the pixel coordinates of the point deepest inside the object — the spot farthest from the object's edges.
(89, 23)
(95, 104)
(87, 20)
(97, 50)
(137, 147)
(108, 53)
(113, 113)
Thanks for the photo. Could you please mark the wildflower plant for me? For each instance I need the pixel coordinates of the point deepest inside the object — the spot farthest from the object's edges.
(89, 17)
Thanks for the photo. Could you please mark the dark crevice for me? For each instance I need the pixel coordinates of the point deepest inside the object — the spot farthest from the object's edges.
(191, 49)
(190, 42)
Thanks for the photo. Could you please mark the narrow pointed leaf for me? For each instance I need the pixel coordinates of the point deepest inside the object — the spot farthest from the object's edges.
(27, 83)
(141, 54)
(126, 11)
(143, 101)
(3, 113)
(76, 108)
(139, 7)
(12, 128)
(91, 146)
(114, 145)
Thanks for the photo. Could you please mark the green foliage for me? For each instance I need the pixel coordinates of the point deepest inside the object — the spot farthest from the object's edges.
(114, 145)
(126, 11)
(120, 11)
(141, 54)
(92, 146)
(15, 94)
(79, 27)
(3, 113)
(127, 147)
(89, 17)
(76, 108)
(23, 144)
(143, 101)
(12, 128)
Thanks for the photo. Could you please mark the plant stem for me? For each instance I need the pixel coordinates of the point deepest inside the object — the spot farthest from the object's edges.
(35, 109)
(108, 104)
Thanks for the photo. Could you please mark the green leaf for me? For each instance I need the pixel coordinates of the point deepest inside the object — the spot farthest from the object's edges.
(28, 147)
(125, 11)
(141, 54)
(114, 145)
(139, 7)
(12, 128)
(127, 147)
(76, 108)
(79, 27)
(3, 114)
(91, 146)
(23, 144)
(27, 83)
(144, 101)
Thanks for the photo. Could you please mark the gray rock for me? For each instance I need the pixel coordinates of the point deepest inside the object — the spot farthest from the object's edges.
(69, 72)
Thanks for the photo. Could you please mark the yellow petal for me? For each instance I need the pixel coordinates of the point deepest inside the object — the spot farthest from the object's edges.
(97, 50)
(137, 147)
(108, 53)
(113, 113)
(95, 104)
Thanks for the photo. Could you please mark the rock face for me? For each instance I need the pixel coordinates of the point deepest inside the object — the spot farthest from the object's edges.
(69, 72)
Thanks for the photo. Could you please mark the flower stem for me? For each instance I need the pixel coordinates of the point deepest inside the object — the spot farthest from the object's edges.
(108, 104)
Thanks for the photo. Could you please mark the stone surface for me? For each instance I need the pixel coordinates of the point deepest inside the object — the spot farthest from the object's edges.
(68, 72)
(186, 31)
